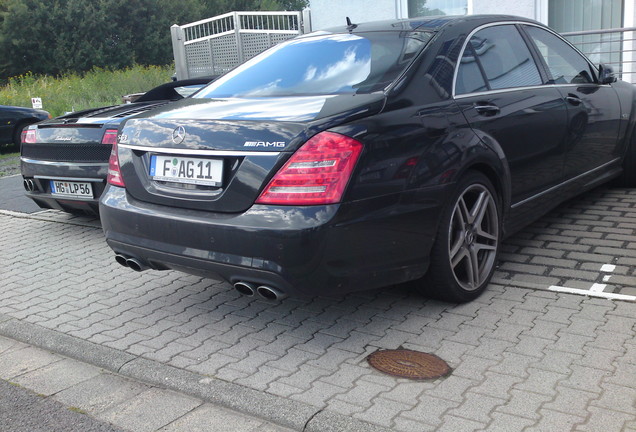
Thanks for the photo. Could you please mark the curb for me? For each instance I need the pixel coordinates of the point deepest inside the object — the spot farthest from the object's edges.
(282, 411)
(42, 218)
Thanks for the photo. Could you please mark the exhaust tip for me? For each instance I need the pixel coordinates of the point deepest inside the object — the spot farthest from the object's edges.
(135, 265)
(29, 185)
(245, 288)
(270, 293)
(122, 260)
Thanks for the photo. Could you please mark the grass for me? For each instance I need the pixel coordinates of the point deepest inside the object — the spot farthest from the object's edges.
(74, 92)
(9, 164)
(8, 156)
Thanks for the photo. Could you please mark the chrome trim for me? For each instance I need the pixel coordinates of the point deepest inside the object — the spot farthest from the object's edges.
(75, 179)
(196, 152)
(515, 205)
(470, 35)
(65, 164)
(488, 92)
(512, 89)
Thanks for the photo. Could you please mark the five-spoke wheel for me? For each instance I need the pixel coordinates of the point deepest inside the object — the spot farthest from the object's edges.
(464, 254)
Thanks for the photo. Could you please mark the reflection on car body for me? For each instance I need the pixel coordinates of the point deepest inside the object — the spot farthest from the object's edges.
(412, 148)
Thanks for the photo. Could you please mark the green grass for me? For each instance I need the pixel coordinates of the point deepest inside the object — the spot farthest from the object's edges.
(74, 92)
(10, 155)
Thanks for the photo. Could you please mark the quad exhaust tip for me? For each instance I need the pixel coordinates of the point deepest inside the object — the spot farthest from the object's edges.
(29, 185)
(131, 263)
(264, 291)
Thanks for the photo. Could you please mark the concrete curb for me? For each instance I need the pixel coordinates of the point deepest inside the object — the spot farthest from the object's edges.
(39, 217)
(284, 412)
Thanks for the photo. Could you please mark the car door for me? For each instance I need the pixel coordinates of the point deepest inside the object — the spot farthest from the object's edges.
(501, 91)
(593, 109)
(6, 124)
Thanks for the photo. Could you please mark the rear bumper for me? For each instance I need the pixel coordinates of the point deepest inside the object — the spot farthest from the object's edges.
(41, 172)
(313, 250)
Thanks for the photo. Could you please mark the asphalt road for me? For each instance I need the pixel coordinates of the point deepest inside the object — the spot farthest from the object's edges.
(24, 411)
(12, 196)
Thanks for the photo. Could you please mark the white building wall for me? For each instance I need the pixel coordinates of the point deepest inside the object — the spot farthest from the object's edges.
(332, 13)
(524, 8)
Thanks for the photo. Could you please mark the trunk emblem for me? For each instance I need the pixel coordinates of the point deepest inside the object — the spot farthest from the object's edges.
(178, 135)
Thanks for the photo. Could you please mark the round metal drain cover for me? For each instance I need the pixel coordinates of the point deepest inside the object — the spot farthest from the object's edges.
(409, 364)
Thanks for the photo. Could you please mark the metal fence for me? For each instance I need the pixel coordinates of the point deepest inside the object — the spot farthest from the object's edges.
(214, 46)
(614, 47)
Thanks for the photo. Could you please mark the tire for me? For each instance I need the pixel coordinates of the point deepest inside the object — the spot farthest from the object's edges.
(464, 255)
(628, 177)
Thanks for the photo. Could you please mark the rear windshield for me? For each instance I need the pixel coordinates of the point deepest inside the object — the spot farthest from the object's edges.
(322, 64)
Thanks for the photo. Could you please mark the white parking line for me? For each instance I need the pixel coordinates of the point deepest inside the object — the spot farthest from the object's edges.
(608, 268)
(598, 287)
(591, 293)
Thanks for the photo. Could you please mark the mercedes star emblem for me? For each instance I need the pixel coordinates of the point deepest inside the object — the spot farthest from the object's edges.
(178, 135)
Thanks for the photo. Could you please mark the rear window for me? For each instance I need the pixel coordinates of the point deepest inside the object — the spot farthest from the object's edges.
(322, 64)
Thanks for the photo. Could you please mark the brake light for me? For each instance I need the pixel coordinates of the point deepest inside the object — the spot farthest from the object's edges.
(28, 136)
(110, 136)
(114, 172)
(316, 174)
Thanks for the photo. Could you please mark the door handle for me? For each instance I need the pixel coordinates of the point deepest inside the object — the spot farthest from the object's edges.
(487, 109)
(573, 100)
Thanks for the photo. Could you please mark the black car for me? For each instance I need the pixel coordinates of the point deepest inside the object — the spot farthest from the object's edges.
(64, 161)
(14, 119)
(369, 155)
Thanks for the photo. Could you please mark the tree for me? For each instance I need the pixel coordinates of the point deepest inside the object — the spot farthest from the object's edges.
(54, 36)
(418, 8)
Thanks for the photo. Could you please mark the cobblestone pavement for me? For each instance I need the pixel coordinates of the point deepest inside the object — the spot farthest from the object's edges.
(65, 394)
(524, 356)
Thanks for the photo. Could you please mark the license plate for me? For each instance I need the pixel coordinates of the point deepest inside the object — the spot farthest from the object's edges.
(198, 171)
(68, 188)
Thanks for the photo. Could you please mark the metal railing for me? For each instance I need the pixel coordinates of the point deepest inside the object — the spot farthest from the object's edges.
(614, 47)
(215, 45)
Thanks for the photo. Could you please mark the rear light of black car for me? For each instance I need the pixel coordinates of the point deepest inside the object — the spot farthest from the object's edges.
(28, 136)
(110, 136)
(114, 172)
(316, 174)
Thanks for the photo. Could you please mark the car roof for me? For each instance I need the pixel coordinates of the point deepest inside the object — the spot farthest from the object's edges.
(432, 23)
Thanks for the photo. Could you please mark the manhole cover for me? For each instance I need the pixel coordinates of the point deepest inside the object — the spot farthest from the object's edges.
(409, 364)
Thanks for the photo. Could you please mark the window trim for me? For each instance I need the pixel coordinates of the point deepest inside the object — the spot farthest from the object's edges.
(531, 48)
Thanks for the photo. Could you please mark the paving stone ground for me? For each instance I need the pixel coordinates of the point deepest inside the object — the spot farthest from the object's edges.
(523, 357)
(67, 394)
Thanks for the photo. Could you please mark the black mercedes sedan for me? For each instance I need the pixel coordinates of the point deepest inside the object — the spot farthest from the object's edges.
(369, 155)
(64, 161)
(14, 119)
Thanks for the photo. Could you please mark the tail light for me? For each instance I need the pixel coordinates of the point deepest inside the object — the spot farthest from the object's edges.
(316, 174)
(114, 171)
(110, 136)
(28, 136)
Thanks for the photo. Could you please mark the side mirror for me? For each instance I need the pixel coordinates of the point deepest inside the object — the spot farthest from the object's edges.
(606, 74)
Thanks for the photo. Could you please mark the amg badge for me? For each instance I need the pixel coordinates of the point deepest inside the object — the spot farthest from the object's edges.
(275, 144)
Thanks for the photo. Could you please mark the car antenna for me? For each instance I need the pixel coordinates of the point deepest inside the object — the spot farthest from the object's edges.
(350, 25)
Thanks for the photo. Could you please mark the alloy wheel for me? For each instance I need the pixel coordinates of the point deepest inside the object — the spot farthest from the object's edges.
(473, 237)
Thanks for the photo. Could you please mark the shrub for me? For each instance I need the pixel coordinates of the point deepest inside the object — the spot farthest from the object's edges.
(74, 92)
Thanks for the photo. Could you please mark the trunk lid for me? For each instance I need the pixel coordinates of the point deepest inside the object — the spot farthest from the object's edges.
(240, 143)
(77, 137)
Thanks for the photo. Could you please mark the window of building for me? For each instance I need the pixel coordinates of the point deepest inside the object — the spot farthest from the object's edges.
(437, 7)
(565, 17)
